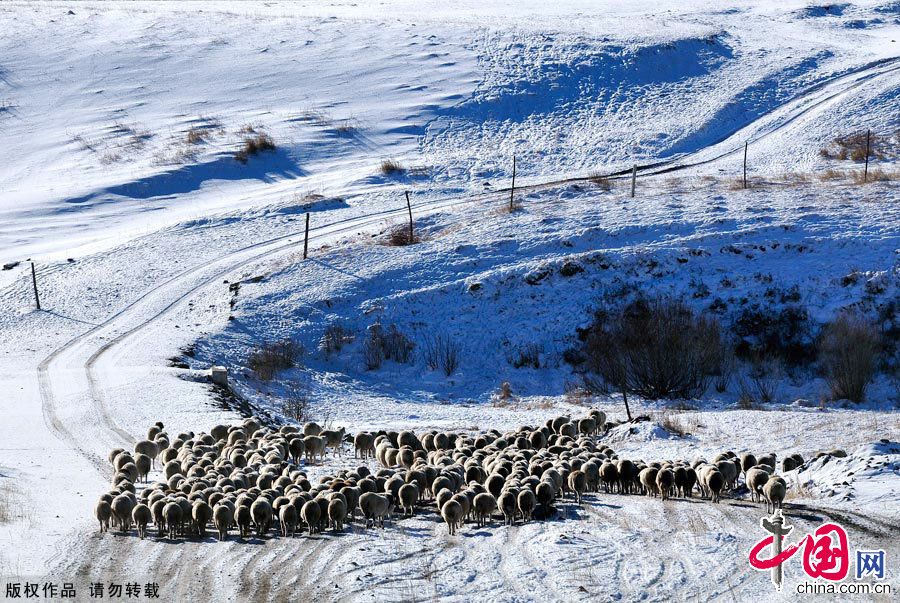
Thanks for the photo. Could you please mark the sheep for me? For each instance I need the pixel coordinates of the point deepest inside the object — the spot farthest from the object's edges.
(665, 480)
(408, 494)
(148, 448)
(526, 502)
(714, 481)
(172, 513)
(201, 513)
(508, 506)
(242, 519)
(334, 439)
(312, 429)
(103, 511)
(452, 512)
(122, 506)
(774, 491)
(261, 511)
(297, 448)
(363, 445)
(609, 475)
(311, 513)
(287, 520)
(158, 516)
(222, 516)
(647, 478)
(755, 479)
(337, 513)
(577, 482)
(484, 505)
(141, 516)
(748, 461)
(375, 507)
(315, 447)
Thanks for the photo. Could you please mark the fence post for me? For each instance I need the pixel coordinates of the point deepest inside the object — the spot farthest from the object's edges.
(306, 237)
(866, 169)
(37, 300)
(513, 187)
(633, 180)
(745, 163)
(409, 207)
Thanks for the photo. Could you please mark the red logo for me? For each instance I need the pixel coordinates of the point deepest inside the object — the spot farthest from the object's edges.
(826, 552)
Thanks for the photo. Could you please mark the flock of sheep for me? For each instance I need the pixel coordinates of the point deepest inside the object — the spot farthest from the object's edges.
(248, 477)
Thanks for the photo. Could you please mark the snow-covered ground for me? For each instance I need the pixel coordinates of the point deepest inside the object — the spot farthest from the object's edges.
(117, 177)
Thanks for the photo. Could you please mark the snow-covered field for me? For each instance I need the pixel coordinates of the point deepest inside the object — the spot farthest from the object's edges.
(120, 121)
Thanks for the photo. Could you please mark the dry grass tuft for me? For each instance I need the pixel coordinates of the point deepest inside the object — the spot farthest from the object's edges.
(268, 359)
(391, 167)
(399, 236)
(254, 145)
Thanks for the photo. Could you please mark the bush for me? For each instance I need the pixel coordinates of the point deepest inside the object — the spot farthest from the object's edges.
(399, 236)
(334, 338)
(654, 348)
(295, 403)
(848, 349)
(528, 355)
(254, 145)
(442, 353)
(272, 357)
(771, 332)
(391, 345)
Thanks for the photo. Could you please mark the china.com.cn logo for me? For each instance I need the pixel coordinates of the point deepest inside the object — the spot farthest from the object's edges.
(826, 552)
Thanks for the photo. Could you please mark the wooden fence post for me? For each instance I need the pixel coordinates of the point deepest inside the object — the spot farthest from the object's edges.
(37, 300)
(409, 207)
(306, 237)
(866, 169)
(633, 180)
(513, 187)
(745, 163)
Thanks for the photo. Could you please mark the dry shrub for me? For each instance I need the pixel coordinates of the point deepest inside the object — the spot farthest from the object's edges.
(831, 175)
(253, 145)
(656, 348)
(674, 424)
(873, 175)
(399, 236)
(848, 349)
(295, 403)
(503, 396)
(195, 136)
(600, 181)
(390, 344)
(528, 355)
(334, 338)
(761, 384)
(390, 167)
(853, 147)
(442, 352)
(273, 357)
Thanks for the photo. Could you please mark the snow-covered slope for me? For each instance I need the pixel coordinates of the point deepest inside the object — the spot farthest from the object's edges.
(120, 121)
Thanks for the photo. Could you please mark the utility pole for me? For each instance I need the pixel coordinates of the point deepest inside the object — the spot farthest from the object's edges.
(633, 180)
(513, 187)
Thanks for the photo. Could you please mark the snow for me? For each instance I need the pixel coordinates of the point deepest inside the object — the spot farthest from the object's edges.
(138, 234)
